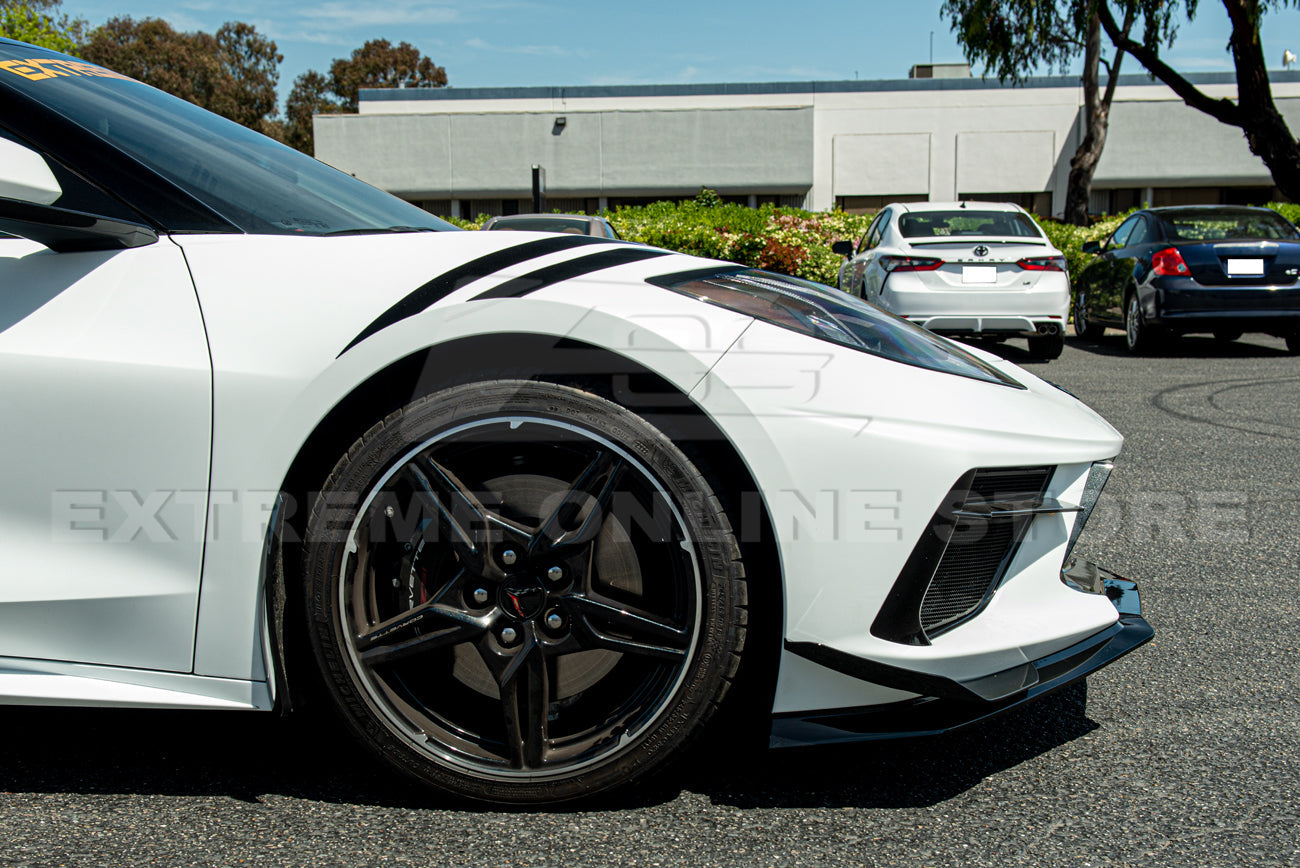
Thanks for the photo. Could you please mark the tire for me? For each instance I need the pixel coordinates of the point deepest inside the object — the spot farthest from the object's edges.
(1227, 336)
(1084, 327)
(1138, 336)
(522, 593)
(1046, 347)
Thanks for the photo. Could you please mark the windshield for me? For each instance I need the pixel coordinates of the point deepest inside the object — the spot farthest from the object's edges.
(259, 185)
(1219, 225)
(939, 224)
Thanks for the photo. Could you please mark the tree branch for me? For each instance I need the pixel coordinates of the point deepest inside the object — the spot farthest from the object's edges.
(1222, 110)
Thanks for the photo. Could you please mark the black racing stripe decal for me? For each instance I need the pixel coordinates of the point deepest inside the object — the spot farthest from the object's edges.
(551, 274)
(444, 284)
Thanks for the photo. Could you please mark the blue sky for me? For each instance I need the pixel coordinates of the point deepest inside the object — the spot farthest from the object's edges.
(489, 43)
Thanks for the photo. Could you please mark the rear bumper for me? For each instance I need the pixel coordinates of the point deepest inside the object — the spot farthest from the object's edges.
(1186, 305)
(947, 704)
(970, 326)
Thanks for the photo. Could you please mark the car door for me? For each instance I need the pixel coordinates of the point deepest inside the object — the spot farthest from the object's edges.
(1106, 277)
(850, 276)
(106, 386)
(871, 277)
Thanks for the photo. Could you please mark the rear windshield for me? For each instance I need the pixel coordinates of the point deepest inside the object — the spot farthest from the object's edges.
(963, 222)
(258, 184)
(543, 224)
(1226, 224)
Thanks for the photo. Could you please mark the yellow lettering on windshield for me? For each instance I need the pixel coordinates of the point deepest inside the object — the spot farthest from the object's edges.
(39, 68)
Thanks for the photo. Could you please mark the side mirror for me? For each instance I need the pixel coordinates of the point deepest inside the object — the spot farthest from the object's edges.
(28, 190)
(24, 175)
(843, 248)
(1091, 247)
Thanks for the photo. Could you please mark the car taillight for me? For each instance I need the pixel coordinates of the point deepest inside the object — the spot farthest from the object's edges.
(909, 263)
(1042, 263)
(1169, 263)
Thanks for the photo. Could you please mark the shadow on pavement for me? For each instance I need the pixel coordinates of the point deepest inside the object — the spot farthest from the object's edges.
(1187, 347)
(248, 756)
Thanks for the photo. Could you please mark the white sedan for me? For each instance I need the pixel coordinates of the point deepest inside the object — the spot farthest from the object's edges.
(533, 506)
(974, 270)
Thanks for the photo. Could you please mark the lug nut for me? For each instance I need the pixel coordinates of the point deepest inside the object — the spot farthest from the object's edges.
(554, 620)
(555, 574)
(508, 557)
(509, 635)
(480, 595)
(388, 511)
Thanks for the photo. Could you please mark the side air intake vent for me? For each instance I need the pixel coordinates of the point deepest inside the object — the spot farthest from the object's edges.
(964, 553)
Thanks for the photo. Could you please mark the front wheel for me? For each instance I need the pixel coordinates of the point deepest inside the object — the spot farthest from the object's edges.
(522, 593)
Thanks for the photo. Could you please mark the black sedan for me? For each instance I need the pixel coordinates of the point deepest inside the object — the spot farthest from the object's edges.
(1209, 269)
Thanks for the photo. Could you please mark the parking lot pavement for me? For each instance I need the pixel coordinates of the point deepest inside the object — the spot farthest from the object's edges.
(1185, 754)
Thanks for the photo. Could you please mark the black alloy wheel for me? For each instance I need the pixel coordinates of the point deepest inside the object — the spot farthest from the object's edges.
(522, 593)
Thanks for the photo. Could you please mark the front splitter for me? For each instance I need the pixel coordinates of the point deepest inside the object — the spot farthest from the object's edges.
(957, 704)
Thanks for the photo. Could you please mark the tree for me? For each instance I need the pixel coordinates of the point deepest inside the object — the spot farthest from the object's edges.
(232, 73)
(310, 96)
(1015, 37)
(378, 63)
(1254, 112)
(37, 22)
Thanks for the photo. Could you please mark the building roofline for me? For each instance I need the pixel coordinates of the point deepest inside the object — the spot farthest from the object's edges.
(777, 87)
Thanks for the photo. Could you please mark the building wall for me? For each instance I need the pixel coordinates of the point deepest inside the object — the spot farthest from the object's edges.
(821, 143)
(594, 153)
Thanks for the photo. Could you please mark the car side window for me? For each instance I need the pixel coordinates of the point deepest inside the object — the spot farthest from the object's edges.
(1120, 238)
(1141, 233)
(865, 243)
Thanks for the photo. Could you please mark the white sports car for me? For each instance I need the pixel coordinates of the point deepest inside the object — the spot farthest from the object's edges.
(534, 506)
(968, 269)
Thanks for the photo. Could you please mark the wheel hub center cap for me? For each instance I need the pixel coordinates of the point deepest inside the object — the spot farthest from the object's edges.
(523, 597)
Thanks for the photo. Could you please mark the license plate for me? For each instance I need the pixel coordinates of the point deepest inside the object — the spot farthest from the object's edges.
(979, 274)
(1245, 267)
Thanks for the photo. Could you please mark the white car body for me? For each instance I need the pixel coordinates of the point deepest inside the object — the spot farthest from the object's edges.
(980, 285)
(166, 399)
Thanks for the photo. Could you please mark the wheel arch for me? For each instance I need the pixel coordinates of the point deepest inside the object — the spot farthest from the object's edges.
(543, 358)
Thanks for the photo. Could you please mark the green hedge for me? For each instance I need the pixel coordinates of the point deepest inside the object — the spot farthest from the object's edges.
(797, 242)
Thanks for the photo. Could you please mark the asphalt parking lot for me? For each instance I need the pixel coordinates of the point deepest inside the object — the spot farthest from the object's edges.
(1185, 753)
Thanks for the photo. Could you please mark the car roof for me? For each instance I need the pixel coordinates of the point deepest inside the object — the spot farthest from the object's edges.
(584, 217)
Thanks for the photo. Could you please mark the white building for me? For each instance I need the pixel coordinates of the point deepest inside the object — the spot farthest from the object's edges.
(856, 144)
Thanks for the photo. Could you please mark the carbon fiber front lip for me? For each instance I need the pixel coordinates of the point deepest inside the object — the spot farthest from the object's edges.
(947, 704)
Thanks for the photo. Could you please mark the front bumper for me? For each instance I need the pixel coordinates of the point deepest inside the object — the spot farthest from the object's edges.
(947, 704)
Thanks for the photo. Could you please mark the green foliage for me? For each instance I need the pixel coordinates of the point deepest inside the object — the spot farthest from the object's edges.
(35, 21)
(786, 240)
(1070, 239)
(232, 73)
(708, 198)
(1289, 210)
(378, 63)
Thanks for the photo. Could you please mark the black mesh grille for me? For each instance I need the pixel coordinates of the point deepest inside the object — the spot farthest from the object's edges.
(980, 549)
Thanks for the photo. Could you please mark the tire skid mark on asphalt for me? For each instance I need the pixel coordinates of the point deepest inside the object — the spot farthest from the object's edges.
(1201, 402)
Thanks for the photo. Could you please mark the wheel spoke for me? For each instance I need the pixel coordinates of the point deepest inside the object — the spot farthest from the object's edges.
(465, 524)
(525, 703)
(591, 491)
(384, 644)
(638, 632)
